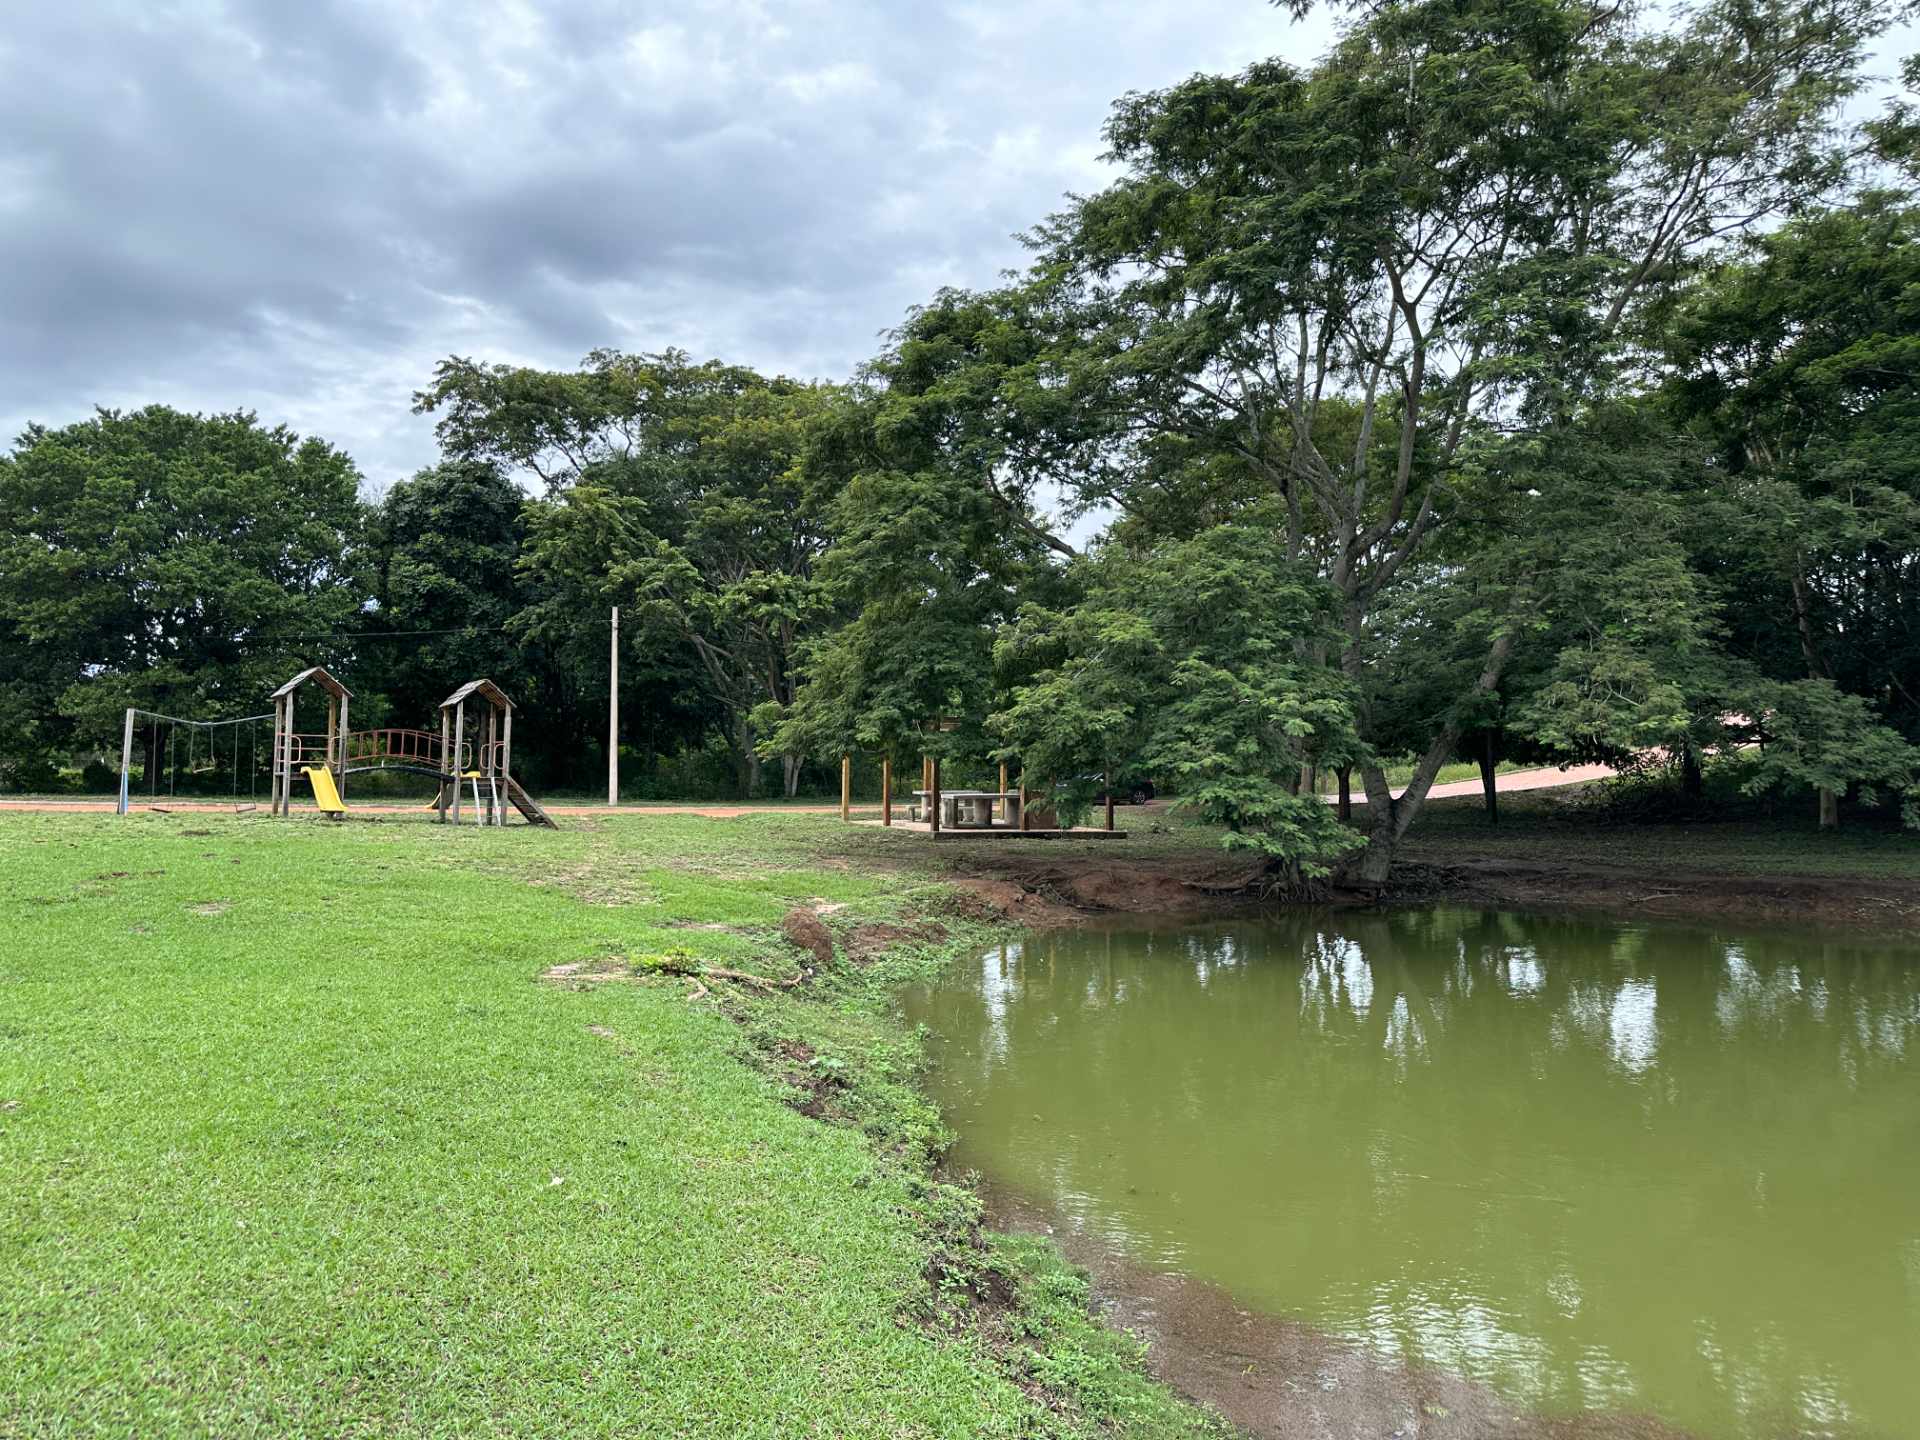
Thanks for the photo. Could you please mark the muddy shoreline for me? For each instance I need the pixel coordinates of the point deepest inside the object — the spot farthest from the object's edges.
(1277, 1379)
(1041, 890)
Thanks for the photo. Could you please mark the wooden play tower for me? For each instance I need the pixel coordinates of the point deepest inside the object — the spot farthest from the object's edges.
(479, 760)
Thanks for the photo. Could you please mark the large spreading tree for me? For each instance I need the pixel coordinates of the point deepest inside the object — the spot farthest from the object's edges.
(672, 490)
(1386, 295)
(180, 563)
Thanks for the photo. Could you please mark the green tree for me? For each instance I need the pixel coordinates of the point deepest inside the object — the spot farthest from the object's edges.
(1193, 660)
(1362, 286)
(179, 563)
(930, 555)
(1797, 362)
(444, 547)
(673, 491)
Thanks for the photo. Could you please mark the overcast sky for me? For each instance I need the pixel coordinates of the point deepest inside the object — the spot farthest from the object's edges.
(298, 206)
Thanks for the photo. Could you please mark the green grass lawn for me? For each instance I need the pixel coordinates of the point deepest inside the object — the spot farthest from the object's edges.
(295, 1139)
(1550, 826)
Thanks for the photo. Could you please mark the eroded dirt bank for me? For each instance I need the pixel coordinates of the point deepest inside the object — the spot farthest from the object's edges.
(1058, 885)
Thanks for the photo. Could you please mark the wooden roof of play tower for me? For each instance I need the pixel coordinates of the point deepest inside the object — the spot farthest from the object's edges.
(320, 677)
(485, 689)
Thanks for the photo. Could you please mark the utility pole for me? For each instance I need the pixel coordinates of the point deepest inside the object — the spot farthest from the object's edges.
(613, 714)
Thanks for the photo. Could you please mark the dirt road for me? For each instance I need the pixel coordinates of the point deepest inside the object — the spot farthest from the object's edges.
(1543, 779)
(1548, 777)
(188, 807)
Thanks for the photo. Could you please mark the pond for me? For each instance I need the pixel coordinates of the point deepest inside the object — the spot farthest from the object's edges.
(1593, 1167)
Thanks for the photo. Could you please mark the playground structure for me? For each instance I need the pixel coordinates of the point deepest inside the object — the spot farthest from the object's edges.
(484, 761)
(480, 762)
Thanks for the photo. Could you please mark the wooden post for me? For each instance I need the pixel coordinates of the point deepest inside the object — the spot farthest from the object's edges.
(1488, 785)
(886, 781)
(459, 743)
(340, 779)
(333, 731)
(613, 713)
(1001, 801)
(126, 761)
(1023, 799)
(846, 788)
(283, 762)
(933, 793)
(1109, 780)
(491, 766)
(293, 758)
(447, 767)
(506, 748)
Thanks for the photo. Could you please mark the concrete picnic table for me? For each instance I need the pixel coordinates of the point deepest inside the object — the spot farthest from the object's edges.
(973, 809)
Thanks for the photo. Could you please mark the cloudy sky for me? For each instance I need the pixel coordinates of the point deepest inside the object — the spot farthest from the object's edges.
(297, 206)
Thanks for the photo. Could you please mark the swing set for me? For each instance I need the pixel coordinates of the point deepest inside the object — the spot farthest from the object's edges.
(184, 767)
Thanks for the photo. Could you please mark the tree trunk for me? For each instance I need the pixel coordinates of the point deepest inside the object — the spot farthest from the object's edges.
(746, 759)
(1816, 670)
(790, 774)
(1692, 783)
(1486, 779)
(1346, 792)
(1376, 861)
(1388, 818)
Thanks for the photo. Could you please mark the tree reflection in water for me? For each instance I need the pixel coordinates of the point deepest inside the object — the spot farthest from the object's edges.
(1593, 1165)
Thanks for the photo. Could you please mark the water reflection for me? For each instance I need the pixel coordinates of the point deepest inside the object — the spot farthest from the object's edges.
(1596, 1166)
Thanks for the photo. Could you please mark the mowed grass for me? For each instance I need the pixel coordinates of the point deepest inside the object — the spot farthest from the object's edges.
(1552, 827)
(295, 1140)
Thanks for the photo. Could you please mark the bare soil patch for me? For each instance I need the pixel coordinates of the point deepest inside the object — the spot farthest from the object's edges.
(588, 972)
(804, 930)
(867, 943)
(816, 1089)
(1054, 888)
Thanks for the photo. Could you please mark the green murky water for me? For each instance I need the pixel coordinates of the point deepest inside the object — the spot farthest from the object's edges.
(1596, 1166)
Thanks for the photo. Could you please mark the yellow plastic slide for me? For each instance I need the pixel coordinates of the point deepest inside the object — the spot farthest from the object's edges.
(325, 795)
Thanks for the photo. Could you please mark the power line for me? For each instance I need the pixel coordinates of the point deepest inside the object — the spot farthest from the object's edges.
(372, 634)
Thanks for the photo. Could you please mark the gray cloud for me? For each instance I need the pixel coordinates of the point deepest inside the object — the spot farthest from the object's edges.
(298, 207)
